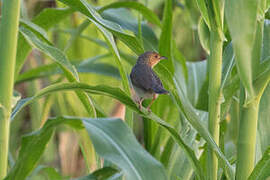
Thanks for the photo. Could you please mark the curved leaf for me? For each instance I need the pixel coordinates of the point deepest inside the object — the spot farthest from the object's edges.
(165, 41)
(122, 97)
(204, 35)
(264, 120)
(241, 18)
(261, 170)
(112, 140)
(53, 52)
(59, 57)
(102, 173)
(86, 9)
(33, 146)
(127, 21)
(110, 41)
(46, 19)
(203, 10)
(191, 115)
(83, 67)
(147, 13)
(51, 172)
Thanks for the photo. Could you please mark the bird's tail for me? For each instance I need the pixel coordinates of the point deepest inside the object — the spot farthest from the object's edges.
(162, 91)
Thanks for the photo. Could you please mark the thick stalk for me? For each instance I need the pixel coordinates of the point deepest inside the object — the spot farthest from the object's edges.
(246, 144)
(8, 47)
(215, 67)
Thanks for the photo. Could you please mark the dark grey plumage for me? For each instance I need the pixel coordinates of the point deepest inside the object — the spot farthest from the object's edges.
(142, 76)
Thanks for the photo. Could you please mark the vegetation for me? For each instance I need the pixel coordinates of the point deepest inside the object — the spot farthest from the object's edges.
(67, 109)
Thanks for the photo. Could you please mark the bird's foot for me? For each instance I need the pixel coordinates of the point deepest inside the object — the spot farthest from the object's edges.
(140, 107)
(149, 110)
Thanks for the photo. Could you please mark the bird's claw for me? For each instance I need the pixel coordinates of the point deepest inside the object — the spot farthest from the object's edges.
(149, 110)
(140, 107)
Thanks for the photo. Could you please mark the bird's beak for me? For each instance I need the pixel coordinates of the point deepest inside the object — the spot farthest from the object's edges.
(163, 57)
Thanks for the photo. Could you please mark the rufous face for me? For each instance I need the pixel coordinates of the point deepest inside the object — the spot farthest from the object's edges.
(154, 58)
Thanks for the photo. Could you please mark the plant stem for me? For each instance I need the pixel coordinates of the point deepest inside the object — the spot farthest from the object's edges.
(215, 67)
(246, 144)
(8, 47)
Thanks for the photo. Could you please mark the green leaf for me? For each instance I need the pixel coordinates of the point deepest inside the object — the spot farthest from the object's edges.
(53, 52)
(102, 173)
(266, 40)
(112, 140)
(46, 19)
(218, 7)
(60, 58)
(204, 35)
(33, 146)
(88, 65)
(49, 17)
(203, 10)
(115, 142)
(241, 18)
(261, 170)
(178, 160)
(178, 56)
(227, 65)
(50, 172)
(127, 21)
(110, 41)
(15, 98)
(189, 112)
(122, 97)
(165, 41)
(147, 13)
(90, 12)
(264, 120)
(197, 72)
(41, 33)
(51, 69)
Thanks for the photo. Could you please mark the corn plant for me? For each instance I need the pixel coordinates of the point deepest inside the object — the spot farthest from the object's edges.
(64, 73)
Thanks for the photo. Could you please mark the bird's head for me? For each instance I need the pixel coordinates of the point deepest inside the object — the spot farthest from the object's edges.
(150, 58)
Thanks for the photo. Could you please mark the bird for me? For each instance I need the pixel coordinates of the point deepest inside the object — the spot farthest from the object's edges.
(144, 80)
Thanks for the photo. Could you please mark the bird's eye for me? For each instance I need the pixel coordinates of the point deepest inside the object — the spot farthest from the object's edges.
(156, 56)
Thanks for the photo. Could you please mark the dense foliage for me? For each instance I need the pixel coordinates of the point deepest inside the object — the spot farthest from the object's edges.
(72, 113)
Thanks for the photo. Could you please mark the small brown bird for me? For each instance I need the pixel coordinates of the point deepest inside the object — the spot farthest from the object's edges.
(145, 82)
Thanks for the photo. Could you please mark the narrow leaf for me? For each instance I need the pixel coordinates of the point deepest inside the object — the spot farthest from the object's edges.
(68, 69)
(165, 41)
(261, 170)
(89, 11)
(33, 146)
(241, 18)
(147, 13)
(203, 10)
(46, 19)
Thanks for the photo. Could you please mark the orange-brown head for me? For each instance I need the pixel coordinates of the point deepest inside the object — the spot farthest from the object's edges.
(150, 58)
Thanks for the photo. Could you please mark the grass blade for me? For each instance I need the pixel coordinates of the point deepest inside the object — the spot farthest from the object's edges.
(85, 8)
(261, 170)
(46, 19)
(241, 19)
(147, 13)
(165, 41)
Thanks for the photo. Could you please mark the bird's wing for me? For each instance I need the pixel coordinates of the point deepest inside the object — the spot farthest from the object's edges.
(141, 77)
(145, 78)
(157, 86)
